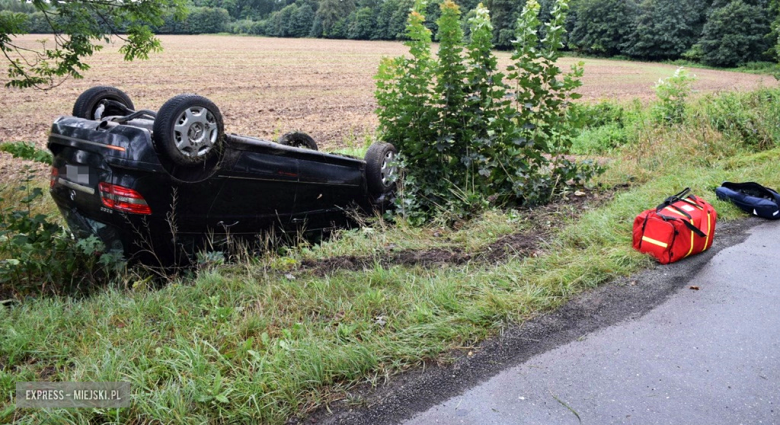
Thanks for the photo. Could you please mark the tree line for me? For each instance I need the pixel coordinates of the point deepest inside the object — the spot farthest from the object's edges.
(714, 32)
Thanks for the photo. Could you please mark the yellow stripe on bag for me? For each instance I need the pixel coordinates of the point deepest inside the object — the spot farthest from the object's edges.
(690, 250)
(654, 242)
(709, 228)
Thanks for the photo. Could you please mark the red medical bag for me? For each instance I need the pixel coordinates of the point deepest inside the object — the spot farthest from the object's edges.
(682, 225)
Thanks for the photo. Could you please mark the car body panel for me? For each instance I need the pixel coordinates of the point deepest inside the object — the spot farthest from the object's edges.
(253, 186)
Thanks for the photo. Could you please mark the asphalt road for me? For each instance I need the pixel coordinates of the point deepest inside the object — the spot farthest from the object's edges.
(706, 356)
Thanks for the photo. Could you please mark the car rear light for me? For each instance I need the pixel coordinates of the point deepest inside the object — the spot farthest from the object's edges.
(123, 199)
(53, 179)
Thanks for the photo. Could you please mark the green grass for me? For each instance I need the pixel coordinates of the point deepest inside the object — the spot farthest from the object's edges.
(260, 340)
(764, 68)
(27, 150)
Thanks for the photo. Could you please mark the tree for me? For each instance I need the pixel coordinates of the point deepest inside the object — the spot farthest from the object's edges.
(504, 14)
(465, 135)
(78, 27)
(207, 20)
(340, 28)
(383, 17)
(332, 15)
(735, 34)
(450, 77)
(316, 27)
(16, 6)
(774, 36)
(397, 24)
(301, 23)
(362, 25)
(603, 26)
(667, 28)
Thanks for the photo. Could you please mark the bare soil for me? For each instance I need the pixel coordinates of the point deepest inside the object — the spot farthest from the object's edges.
(516, 245)
(268, 86)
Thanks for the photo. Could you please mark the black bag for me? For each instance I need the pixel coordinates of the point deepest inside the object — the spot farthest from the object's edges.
(752, 198)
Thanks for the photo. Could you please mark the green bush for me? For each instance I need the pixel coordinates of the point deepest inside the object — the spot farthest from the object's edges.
(600, 140)
(598, 114)
(466, 132)
(207, 20)
(26, 150)
(243, 26)
(761, 66)
(694, 54)
(37, 254)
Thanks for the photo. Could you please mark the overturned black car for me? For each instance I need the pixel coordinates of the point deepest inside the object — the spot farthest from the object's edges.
(162, 184)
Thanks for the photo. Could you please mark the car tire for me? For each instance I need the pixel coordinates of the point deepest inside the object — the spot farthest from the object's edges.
(89, 105)
(298, 140)
(189, 129)
(381, 171)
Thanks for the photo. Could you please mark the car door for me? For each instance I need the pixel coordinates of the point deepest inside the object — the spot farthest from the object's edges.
(328, 186)
(259, 191)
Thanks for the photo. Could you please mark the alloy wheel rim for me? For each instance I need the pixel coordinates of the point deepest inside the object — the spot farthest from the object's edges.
(195, 132)
(388, 169)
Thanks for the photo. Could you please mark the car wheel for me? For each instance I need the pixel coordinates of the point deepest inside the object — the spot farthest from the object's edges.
(94, 103)
(189, 129)
(298, 140)
(381, 170)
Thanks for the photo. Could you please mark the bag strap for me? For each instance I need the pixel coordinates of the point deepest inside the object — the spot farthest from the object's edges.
(674, 198)
(681, 195)
(694, 229)
(680, 210)
(687, 223)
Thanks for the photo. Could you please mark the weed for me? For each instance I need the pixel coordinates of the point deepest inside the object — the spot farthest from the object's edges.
(600, 140)
(672, 93)
(27, 150)
(752, 119)
(599, 114)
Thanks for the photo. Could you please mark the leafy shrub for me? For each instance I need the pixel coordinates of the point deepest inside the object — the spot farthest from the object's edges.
(464, 133)
(207, 20)
(672, 92)
(38, 254)
(243, 26)
(599, 140)
(27, 150)
(759, 66)
(598, 114)
(694, 54)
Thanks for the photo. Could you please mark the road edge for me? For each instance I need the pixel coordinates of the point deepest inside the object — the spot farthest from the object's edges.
(624, 298)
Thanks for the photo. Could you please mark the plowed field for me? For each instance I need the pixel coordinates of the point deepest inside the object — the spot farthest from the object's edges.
(268, 86)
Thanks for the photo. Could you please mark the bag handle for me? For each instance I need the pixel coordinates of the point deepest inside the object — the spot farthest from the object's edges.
(687, 223)
(674, 198)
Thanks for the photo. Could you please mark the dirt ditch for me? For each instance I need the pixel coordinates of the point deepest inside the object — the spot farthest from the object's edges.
(520, 244)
